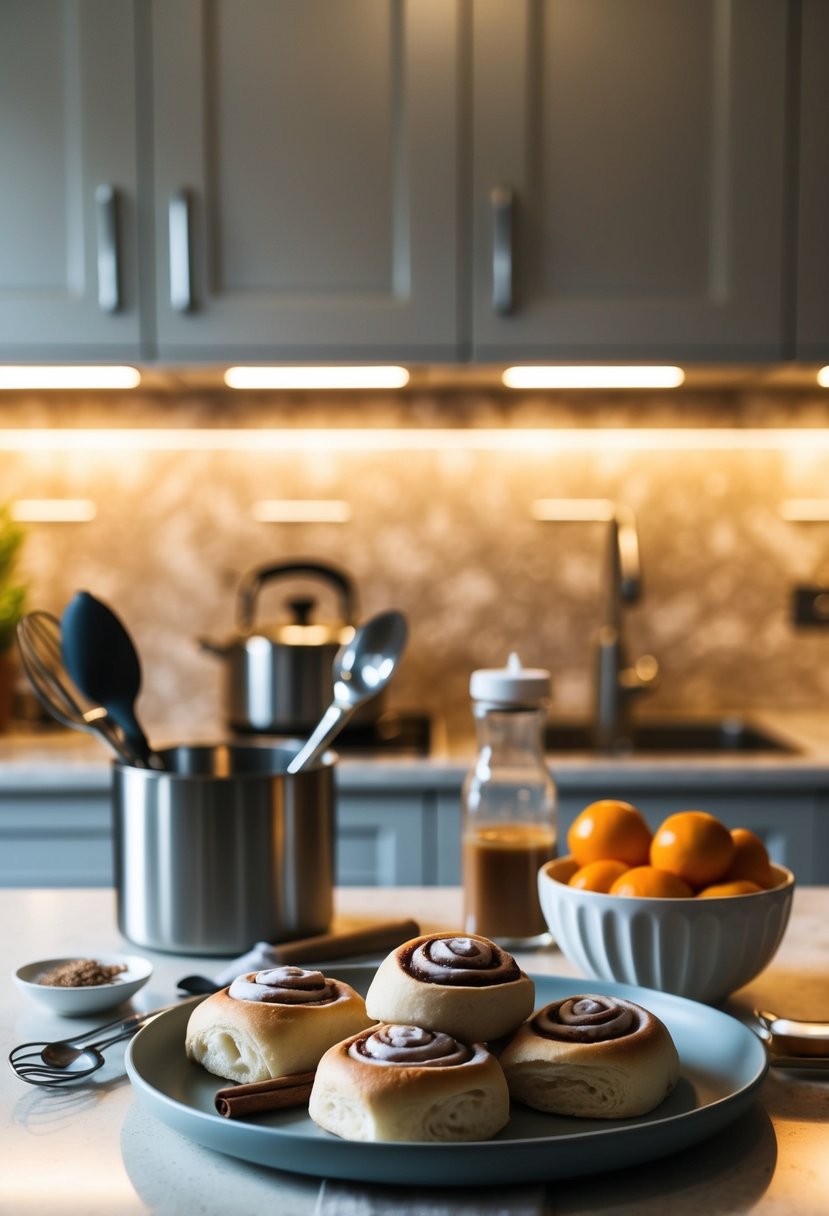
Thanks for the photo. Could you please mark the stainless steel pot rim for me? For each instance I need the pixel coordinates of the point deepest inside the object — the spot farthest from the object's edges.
(286, 749)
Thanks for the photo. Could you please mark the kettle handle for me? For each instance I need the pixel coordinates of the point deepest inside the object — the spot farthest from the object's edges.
(255, 580)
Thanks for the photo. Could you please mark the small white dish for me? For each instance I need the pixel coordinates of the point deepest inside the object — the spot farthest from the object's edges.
(78, 1002)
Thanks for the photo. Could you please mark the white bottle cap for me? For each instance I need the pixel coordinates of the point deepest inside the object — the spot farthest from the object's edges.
(511, 685)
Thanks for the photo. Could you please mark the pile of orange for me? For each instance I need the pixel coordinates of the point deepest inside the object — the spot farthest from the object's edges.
(690, 854)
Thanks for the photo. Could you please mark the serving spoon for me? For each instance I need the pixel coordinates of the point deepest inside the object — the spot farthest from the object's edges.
(361, 668)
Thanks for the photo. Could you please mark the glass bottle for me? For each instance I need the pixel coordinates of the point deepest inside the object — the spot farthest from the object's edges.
(508, 807)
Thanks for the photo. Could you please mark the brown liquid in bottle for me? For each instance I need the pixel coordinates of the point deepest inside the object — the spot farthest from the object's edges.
(500, 874)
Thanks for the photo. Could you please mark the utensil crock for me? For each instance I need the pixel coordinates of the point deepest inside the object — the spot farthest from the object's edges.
(223, 848)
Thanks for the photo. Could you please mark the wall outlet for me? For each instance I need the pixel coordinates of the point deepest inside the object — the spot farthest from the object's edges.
(810, 606)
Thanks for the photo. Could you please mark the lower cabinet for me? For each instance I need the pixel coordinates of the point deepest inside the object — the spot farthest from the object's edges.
(55, 838)
(793, 823)
(410, 836)
(63, 838)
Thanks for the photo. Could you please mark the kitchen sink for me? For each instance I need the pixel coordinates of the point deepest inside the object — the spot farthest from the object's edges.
(716, 736)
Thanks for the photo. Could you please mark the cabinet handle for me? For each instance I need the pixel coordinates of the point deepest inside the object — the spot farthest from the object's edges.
(181, 293)
(501, 200)
(109, 286)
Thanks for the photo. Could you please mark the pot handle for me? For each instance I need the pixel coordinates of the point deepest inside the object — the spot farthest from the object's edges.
(255, 580)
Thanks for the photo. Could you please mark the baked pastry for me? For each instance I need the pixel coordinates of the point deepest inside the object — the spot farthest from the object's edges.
(272, 1023)
(407, 1083)
(599, 1057)
(465, 986)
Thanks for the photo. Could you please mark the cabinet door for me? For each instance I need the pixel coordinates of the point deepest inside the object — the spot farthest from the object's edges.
(643, 145)
(67, 256)
(309, 150)
(813, 234)
(380, 839)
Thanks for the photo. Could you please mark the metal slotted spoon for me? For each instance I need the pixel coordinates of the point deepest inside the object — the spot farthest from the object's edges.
(39, 643)
(71, 1059)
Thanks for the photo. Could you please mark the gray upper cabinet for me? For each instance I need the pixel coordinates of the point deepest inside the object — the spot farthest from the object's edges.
(306, 178)
(813, 207)
(629, 178)
(68, 243)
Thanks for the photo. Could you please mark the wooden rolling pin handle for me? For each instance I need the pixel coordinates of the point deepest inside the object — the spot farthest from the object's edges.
(370, 938)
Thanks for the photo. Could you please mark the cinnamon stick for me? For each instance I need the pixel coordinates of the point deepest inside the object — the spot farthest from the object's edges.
(275, 1094)
(365, 939)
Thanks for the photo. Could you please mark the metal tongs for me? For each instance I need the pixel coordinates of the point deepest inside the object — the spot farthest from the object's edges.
(792, 1044)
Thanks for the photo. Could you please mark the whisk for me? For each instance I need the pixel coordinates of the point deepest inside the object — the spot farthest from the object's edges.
(71, 1059)
(39, 643)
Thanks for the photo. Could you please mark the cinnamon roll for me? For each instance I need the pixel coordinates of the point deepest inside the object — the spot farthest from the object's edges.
(401, 1082)
(272, 1023)
(464, 985)
(598, 1057)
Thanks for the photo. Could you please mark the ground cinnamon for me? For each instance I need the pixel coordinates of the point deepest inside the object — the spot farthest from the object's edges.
(81, 973)
(275, 1094)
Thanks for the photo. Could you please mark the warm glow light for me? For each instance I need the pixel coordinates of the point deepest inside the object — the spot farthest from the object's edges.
(54, 510)
(392, 439)
(579, 510)
(823, 377)
(316, 377)
(593, 377)
(805, 510)
(301, 511)
(68, 377)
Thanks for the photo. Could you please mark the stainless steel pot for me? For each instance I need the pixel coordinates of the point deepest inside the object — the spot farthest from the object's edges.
(223, 849)
(278, 678)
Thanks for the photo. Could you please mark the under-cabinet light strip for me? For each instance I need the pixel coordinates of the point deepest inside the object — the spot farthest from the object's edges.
(301, 511)
(316, 377)
(54, 510)
(593, 377)
(47, 377)
(391, 439)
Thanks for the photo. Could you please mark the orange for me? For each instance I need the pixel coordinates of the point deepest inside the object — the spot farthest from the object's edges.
(610, 831)
(598, 875)
(740, 886)
(750, 860)
(693, 845)
(647, 880)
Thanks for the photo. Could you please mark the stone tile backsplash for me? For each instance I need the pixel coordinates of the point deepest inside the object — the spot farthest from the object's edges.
(446, 536)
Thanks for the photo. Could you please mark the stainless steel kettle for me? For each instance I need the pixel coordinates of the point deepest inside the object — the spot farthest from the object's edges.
(278, 677)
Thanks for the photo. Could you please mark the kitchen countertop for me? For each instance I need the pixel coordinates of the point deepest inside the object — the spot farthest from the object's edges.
(91, 1150)
(63, 759)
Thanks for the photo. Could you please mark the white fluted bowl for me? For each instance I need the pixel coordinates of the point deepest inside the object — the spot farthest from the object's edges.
(704, 949)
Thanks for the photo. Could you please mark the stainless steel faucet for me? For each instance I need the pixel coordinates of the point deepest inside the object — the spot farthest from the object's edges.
(617, 681)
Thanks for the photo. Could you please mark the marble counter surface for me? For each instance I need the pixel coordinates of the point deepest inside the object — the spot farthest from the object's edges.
(91, 1150)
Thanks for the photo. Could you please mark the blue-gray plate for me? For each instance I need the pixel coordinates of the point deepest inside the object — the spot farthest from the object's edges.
(722, 1064)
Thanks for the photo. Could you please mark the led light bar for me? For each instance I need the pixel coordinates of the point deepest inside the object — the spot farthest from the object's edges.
(23, 377)
(593, 377)
(316, 377)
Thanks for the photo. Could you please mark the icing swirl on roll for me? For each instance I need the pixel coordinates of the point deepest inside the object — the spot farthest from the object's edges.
(586, 1019)
(411, 1045)
(473, 961)
(283, 986)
